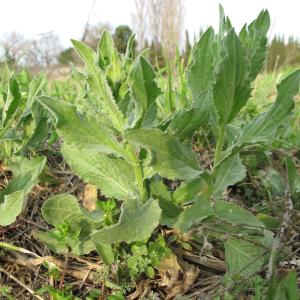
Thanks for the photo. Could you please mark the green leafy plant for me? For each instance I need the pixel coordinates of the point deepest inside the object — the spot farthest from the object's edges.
(119, 136)
(23, 127)
(12, 197)
(145, 258)
(5, 291)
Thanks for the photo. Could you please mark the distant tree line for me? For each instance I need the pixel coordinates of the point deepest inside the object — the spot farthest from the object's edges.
(282, 53)
(158, 27)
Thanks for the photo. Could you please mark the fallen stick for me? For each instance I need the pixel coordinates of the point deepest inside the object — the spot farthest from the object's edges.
(33, 263)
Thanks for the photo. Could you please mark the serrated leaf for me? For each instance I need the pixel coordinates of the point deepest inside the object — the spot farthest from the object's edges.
(200, 79)
(229, 173)
(86, 53)
(114, 176)
(81, 130)
(169, 157)
(201, 72)
(12, 102)
(232, 87)
(11, 207)
(136, 223)
(144, 91)
(105, 49)
(99, 86)
(263, 128)
(254, 38)
(59, 208)
(242, 257)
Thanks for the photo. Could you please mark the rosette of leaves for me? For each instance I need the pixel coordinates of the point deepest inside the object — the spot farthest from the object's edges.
(113, 137)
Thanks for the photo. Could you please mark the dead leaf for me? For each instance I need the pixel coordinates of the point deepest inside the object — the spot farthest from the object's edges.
(90, 197)
(170, 270)
(177, 278)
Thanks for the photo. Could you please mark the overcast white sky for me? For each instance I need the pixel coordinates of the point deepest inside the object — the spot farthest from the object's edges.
(68, 17)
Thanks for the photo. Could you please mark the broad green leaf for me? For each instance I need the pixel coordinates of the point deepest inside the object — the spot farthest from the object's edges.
(130, 49)
(109, 60)
(59, 208)
(232, 87)
(144, 91)
(83, 131)
(99, 86)
(200, 79)
(186, 121)
(25, 181)
(269, 221)
(201, 73)
(20, 164)
(114, 176)
(224, 23)
(263, 127)
(86, 53)
(169, 157)
(12, 102)
(105, 252)
(254, 38)
(11, 198)
(105, 49)
(137, 222)
(190, 191)
(244, 257)
(234, 214)
(194, 214)
(11, 207)
(232, 133)
(159, 191)
(35, 88)
(37, 135)
(229, 173)
(78, 246)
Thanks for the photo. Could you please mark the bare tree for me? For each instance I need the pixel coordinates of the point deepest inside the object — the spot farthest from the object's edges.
(15, 47)
(139, 20)
(155, 19)
(166, 23)
(172, 14)
(44, 51)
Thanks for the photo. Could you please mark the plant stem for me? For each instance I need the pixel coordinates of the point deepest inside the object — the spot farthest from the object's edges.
(137, 169)
(220, 145)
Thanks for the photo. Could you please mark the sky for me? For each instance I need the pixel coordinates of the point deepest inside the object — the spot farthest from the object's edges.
(67, 18)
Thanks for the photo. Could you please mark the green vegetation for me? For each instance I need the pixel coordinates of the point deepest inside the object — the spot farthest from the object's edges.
(200, 160)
